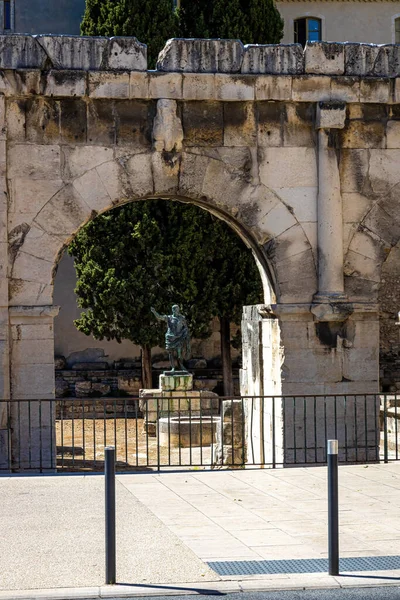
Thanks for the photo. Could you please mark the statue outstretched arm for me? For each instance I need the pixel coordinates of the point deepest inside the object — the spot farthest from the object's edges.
(158, 316)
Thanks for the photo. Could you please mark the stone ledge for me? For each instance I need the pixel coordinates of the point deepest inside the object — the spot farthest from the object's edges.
(72, 52)
(224, 87)
(33, 311)
(62, 52)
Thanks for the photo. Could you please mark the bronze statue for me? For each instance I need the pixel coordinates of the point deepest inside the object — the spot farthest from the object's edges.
(177, 338)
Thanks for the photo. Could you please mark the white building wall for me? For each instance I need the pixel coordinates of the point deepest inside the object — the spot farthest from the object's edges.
(371, 22)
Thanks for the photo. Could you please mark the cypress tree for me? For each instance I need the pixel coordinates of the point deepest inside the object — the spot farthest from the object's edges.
(151, 21)
(251, 21)
(157, 253)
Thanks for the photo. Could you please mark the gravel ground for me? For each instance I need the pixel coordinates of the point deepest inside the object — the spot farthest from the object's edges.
(80, 446)
(52, 535)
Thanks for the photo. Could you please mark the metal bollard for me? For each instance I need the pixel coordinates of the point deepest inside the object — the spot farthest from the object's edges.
(333, 508)
(109, 472)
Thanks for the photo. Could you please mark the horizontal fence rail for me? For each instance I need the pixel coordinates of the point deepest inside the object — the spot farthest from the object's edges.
(196, 431)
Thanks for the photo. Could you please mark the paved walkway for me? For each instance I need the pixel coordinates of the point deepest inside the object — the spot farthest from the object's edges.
(171, 526)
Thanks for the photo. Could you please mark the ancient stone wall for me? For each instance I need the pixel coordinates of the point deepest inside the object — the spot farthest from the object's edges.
(297, 150)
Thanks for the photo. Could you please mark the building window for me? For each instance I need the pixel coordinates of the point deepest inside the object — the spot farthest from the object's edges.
(7, 14)
(307, 29)
(397, 31)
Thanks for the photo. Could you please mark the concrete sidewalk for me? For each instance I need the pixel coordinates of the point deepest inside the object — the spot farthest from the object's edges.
(171, 526)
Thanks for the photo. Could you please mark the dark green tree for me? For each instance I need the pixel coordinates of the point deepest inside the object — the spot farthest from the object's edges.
(155, 253)
(238, 284)
(251, 21)
(151, 21)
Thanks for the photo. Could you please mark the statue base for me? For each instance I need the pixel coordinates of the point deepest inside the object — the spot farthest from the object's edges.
(176, 381)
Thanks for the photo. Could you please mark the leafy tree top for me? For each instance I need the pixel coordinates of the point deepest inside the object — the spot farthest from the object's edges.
(154, 21)
(251, 21)
(151, 21)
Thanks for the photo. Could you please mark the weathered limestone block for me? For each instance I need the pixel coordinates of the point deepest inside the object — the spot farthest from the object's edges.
(79, 159)
(21, 52)
(94, 53)
(205, 384)
(33, 381)
(139, 85)
(140, 174)
(86, 389)
(165, 85)
(38, 243)
(201, 56)
(203, 124)
(375, 90)
(383, 170)
(275, 59)
(73, 52)
(34, 161)
(133, 124)
(298, 125)
(354, 166)
(129, 385)
(231, 445)
(31, 268)
(302, 172)
(372, 60)
(273, 87)
(170, 383)
(23, 82)
(66, 83)
(5, 458)
(64, 213)
(238, 88)
(345, 89)
(36, 451)
(62, 388)
(165, 169)
(325, 58)
(331, 115)
(198, 87)
(28, 196)
(393, 134)
(126, 53)
(167, 128)
(311, 88)
(106, 84)
(93, 191)
(90, 366)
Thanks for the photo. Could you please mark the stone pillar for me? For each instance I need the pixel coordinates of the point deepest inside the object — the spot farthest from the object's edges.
(338, 362)
(330, 116)
(261, 377)
(33, 444)
(4, 324)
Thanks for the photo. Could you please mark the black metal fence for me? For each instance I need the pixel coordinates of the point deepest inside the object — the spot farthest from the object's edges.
(196, 431)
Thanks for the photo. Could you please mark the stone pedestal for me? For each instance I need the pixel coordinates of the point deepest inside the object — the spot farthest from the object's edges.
(178, 382)
(231, 445)
(156, 404)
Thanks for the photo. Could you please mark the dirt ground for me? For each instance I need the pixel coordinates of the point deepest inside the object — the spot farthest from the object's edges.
(81, 442)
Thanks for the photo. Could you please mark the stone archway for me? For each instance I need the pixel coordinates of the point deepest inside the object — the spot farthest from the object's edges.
(98, 188)
(299, 151)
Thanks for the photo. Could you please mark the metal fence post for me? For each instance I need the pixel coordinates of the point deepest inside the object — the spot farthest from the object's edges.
(333, 507)
(109, 472)
(385, 433)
